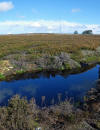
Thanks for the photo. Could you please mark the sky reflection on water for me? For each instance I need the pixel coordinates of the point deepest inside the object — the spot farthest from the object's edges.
(53, 87)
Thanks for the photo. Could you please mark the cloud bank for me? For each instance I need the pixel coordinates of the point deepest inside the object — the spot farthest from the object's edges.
(5, 6)
(44, 26)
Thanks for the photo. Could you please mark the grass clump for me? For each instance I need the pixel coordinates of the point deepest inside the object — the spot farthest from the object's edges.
(67, 66)
(20, 71)
(91, 59)
(40, 69)
(77, 56)
(62, 68)
(2, 77)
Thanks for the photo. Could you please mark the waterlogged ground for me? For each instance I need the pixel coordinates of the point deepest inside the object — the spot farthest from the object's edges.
(51, 88)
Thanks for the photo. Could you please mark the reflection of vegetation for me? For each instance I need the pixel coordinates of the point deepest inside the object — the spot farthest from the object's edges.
(47, 74)
(30, 89)
(8, 91)
(4, 93)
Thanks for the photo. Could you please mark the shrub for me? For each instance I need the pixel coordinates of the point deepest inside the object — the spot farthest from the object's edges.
(87, 32)
(76, 32)
(18, 115)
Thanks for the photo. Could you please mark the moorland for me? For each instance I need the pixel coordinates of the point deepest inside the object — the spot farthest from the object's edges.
(38, 52)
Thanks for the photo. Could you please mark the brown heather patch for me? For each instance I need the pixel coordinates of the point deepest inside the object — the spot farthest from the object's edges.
(51, 44)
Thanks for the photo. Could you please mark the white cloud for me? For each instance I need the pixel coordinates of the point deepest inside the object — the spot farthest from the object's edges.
(44, 26)
(5, 6)
(75, 10)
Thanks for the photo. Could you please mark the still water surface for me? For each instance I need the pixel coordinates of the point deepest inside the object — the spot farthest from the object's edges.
(54, 87)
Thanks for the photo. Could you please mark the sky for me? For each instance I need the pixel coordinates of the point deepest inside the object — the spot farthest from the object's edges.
(49, 16)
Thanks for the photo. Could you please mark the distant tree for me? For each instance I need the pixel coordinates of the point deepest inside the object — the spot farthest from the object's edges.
(87, 32)
(76, 32)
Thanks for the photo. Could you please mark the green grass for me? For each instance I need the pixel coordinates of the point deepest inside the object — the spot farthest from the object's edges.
(67, 66)
(77, 56)
(62, 68)
(40, 69)
(2, 77)
(91, 59)
(20, 71)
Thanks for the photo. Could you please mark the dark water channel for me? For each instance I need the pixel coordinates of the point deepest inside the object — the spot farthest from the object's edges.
(51, 87)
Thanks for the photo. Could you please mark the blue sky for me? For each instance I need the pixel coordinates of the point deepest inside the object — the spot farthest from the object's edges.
(58, 16)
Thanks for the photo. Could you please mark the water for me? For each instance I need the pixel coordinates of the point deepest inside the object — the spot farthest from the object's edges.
(51, 87)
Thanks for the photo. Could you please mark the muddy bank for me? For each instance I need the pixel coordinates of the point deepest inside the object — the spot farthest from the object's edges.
(47, 73)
